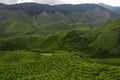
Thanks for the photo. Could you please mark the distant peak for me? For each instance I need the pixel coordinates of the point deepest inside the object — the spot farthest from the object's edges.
(101, 3)
(106, 5)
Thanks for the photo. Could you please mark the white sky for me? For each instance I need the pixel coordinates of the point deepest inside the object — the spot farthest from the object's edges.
(110, 2)
(21, 1)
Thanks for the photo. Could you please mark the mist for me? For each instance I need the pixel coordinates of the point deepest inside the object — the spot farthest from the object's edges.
(54, 2)
(9, 1)
(51, 2)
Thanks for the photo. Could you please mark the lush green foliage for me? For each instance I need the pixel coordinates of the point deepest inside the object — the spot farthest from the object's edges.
(55, 43)
(25, 65)
(44, 19)
(107, 41)
(101, 42)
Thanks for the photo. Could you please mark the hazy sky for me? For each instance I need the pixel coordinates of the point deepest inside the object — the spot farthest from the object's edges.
(110, 2)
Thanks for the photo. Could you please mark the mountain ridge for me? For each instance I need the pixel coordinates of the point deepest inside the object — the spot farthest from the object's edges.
(115, 9)
(76, 7)
(60, 17)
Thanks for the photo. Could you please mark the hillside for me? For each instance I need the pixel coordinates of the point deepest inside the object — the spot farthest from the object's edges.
(107, 41)
(112, 8)
(25, 65)
(101, 41)
(45, 19)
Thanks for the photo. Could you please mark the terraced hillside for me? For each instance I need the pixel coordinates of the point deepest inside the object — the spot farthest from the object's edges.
(25, 65)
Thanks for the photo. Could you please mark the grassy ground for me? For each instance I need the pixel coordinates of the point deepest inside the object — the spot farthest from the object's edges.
(25, 65)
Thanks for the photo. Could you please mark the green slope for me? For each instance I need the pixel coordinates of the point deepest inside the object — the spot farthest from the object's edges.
(15, 29)
(9, 16)
(100, 42)
(25, 65)
(107, 41)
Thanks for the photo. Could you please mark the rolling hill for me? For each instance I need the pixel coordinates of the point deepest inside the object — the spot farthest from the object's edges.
(101, 41)
(107, 42)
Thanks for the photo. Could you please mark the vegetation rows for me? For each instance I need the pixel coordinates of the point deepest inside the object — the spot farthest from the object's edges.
(26, 65)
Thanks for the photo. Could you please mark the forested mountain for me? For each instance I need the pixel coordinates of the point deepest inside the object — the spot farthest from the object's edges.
(44, 19)
(112, 8)
(35, 9)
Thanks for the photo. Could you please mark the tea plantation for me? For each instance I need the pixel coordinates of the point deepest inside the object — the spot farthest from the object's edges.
(26, 65)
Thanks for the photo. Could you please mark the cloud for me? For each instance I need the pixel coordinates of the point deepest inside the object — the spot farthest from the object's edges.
(52, 2)
(15, 1)
(9, 1)
(21, 1)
